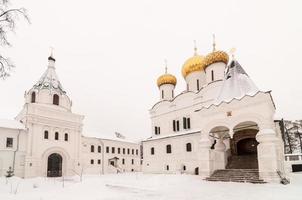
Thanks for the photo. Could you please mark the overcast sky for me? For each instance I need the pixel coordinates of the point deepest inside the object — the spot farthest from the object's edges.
(110, 53)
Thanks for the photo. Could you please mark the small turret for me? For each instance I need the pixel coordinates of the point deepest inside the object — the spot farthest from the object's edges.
(166, 84)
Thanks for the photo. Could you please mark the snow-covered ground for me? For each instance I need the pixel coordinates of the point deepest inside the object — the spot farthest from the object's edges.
(144, 186)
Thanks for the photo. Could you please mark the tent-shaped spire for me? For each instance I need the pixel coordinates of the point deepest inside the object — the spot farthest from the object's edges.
(49, 80)
(236, 84)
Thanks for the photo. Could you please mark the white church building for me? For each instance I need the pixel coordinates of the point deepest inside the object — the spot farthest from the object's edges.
(221, 121)
(45, 139)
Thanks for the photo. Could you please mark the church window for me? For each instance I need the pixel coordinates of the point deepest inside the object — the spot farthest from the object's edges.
(55, 99)
(118, 150)
(187, 87)
(66, 137)
(124, 150)
(123, 161)
(92, 161)
(184, 168)
(185, 123)
(112, 150)
(56, 135)
(9, 142)
(132, 151)
(177, 125)
(99, 149)
(197, 84)
(136, 152)
(188, 123)
(174, 125)
(33, 97)
(169, 148)
(212, 75)
(128, 151)
(92, 148)
(172, 93)
(107, 149)
(99, 161)
(45, 134)
(167, 167)
(157, 130)
(152, 150)
(189, 147)
(132, 161)
(162, 94)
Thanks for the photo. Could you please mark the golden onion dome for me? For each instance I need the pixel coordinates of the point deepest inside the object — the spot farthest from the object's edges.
(214, 57)
(193, 64)
(166, 79)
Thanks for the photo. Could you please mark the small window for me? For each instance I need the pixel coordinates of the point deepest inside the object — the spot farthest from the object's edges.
(132, 151)
(92, 148)
(172, 93)
(177, 125)
(99, 161)
(33, 97)
(92, 161)
(55, 99)
(189, 147)
(212, 75)
(123, 161)
(184, 123)
(124, 150)
(66, 137)
(45, 134)
(162, 94)
(197, 84)
(174, 125)
(128, 151)
(56, 135)
(152, 151)
(99, 149)
(112, 150)
(188, 123)
(169, 148)
(118, 150)
(132, 161)
(9, 142)
(188, 87)
(184, 168)
(107, 149)
(167, 167)
(136, 152)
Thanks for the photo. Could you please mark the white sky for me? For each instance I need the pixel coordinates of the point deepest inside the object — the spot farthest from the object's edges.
(110, 53)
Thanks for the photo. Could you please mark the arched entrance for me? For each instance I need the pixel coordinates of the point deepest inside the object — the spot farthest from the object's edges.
(54, 165)
(247, 146)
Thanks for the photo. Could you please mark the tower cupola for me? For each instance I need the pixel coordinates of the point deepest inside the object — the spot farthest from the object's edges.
(166, 84)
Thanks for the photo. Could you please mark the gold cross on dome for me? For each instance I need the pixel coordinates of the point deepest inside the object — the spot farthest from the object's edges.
(51, 51)
(214, 43)
(166, 66)
(195, 47)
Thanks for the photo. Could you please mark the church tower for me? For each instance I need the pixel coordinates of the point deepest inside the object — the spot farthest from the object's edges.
(166, 84)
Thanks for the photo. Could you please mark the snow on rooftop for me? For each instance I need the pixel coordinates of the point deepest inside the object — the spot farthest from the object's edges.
(173, 135)
(115, 137)
(12, 124)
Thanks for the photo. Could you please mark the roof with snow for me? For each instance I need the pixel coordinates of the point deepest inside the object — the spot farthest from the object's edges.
(11, 124)
(236, 84)
(49, 79)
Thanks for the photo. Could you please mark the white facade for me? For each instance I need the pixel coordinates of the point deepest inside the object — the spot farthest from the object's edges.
(46, 137)
(203, 125)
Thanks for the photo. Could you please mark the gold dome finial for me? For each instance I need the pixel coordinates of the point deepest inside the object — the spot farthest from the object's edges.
(195, 48)
(214, 43)
(51, 51)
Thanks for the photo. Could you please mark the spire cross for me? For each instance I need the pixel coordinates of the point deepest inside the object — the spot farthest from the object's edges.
(51, 51)
(166, 66)
(195, 47)
(214, 43)
(232, 51)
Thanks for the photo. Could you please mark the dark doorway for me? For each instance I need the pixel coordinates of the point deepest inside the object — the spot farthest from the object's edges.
(196, 171)
(54, 165)
(247, 146)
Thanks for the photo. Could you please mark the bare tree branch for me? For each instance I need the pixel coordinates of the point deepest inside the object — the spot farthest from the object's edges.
(8, 18)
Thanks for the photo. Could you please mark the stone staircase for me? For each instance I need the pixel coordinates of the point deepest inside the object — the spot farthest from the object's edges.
(236, 175)
(243, 168)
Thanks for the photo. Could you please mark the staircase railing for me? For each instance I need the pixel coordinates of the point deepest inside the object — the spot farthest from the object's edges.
(283, 179)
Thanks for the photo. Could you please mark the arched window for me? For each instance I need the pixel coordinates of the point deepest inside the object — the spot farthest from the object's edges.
(33, 97)
(99, 149)
(91, 148)
(55, 99)
(56, 136)
(162, 94)
(189, 147)
(167, 167)
(152, 151)
(66, 137)
(169, 148)
(123, 161)
(197, 84)
(45, 134)
(212, 75)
